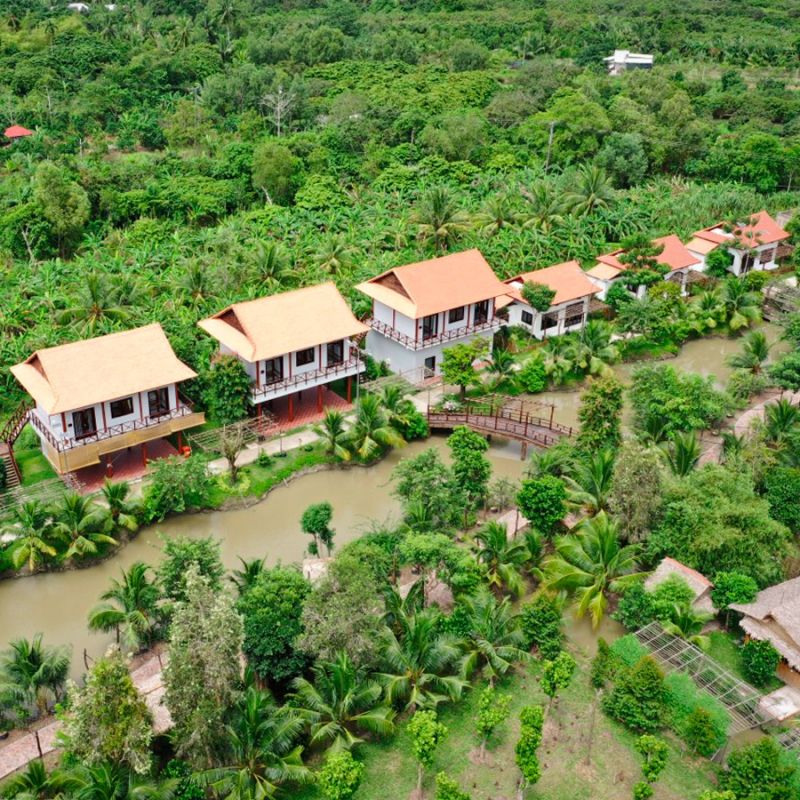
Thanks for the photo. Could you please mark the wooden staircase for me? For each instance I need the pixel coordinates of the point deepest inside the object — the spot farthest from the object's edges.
(9, 434)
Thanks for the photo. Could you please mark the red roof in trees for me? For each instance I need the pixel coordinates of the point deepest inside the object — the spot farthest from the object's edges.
(16, 132)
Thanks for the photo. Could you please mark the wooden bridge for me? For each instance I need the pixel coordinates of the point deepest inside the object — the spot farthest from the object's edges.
(511, 423)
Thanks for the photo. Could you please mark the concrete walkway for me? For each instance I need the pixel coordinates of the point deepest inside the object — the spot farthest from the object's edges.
(147, 678)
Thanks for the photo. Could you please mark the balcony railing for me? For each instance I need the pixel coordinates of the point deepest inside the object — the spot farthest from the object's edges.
(304, 378)
(184, 409)
(429, 341)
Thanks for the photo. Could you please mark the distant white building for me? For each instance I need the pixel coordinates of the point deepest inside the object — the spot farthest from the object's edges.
(623, 60)
(754, 245)
(569, 307)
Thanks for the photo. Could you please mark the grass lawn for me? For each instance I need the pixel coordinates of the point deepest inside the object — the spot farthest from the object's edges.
(391, 771)
(725, 650)
(33, 466)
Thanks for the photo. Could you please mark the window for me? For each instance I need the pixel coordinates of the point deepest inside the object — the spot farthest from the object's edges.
(481, 312)
(574, 315)
(430, 326)
(527, 318)
(456, 315)
(84, 423)
(430, 363)
(303, 357)
(549, 321)
(158, 402)
(748, 259)
(767, 256)
(121, 408)
(273, 370)
(335, 353)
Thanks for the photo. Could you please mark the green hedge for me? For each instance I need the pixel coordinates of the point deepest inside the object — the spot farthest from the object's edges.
(628, 650)
(684, 697)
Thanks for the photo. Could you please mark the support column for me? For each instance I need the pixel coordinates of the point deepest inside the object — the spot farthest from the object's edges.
(523, 452)
(349, 388)
(109, 468)
(319, 398)
(180, 441)
(291, 407)
(144, 454)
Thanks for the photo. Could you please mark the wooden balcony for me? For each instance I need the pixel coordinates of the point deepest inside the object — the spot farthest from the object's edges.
(305, 380)
(73, 453)
(489, 326)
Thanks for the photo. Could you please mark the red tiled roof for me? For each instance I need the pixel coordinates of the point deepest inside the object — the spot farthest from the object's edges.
(674, 255)
(16, 132)
(759, 229)
(568, 281)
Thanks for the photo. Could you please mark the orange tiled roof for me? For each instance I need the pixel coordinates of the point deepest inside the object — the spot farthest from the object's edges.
(759, 229)
(675, 256)
(568, 281)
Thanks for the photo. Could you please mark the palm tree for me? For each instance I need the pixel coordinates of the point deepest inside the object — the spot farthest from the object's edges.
(397, 406)
(558, 353)
(494, 641)
(371, 430)
(123, 511)
(740, 306)
(590, 565)
(545, 206)
(262, 757)
(270, 264)
(501, 365)
(340, 701)
(334, 254)
(34, 672)
(707, 312)
(683, 453)
(33, 784)
(95, 306)
(590, 482)
(333, 434)
(34, 537)
(780, 420)
(245, 578)
(111, 782)
(593, 351)
(419, 662)
(195, 284)
(688, 623)
(592, 190)
(438, 218)
(558, 461)
(755, 351)
(496, 214)
(84, 523)
(503, 559)
(131, 607)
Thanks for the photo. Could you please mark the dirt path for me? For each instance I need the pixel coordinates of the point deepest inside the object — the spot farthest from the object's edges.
(147, 678)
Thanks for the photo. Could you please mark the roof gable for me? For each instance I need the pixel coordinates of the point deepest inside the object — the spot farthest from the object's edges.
(567, 280)
(759, 229)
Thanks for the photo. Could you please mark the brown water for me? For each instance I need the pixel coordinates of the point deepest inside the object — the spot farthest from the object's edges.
(57, 604)
(705, 357)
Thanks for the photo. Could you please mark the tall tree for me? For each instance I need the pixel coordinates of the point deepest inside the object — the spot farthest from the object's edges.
(600, 414)
(438, 218)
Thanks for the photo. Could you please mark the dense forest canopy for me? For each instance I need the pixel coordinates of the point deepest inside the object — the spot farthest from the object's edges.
(189, 154)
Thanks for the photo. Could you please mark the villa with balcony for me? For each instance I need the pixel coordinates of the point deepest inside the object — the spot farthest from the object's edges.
(757, 244)
(292, 345)
(569, 308)
(98, 398)
(675, 256)
(419, 310)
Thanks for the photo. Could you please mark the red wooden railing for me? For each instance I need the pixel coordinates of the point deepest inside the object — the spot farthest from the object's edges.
(439, 338)
(307, 377)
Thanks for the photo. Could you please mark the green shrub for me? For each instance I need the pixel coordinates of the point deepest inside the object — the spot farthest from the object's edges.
(759, 660)
(532, 377)
(638, 699)
(636, 608)
(603, 665)
(541, 623)
(704, 732)
(263, 459)
(628, 650)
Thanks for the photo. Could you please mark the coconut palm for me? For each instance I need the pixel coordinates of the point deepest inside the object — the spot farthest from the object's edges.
(688, 623)
(107, 781)
(371, 430)
(85, 524)
(333, 435)
(95, 306)
(494, 641)
(262, 755)
(591, 565)
(34, 537)
(781, 418)
(755, 351)
(123, 511)
(497, 213)
(269, 263)
(438, 218)
(397, 406)
(683, 452)
(340, 701)
(420, 662)
(593, 351)
(34, 672)
(245, 578)
(558, 461)
(589, 483)
(502, 559)
(558, 354)
(195, 285)
(707, 311)
(500, 365)
(544, 207)
(592, 190)
(334, 255)
(739, 305)
(130, 607)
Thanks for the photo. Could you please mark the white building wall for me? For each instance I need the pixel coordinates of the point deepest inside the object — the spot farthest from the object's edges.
(516, 309)
(402, 359)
